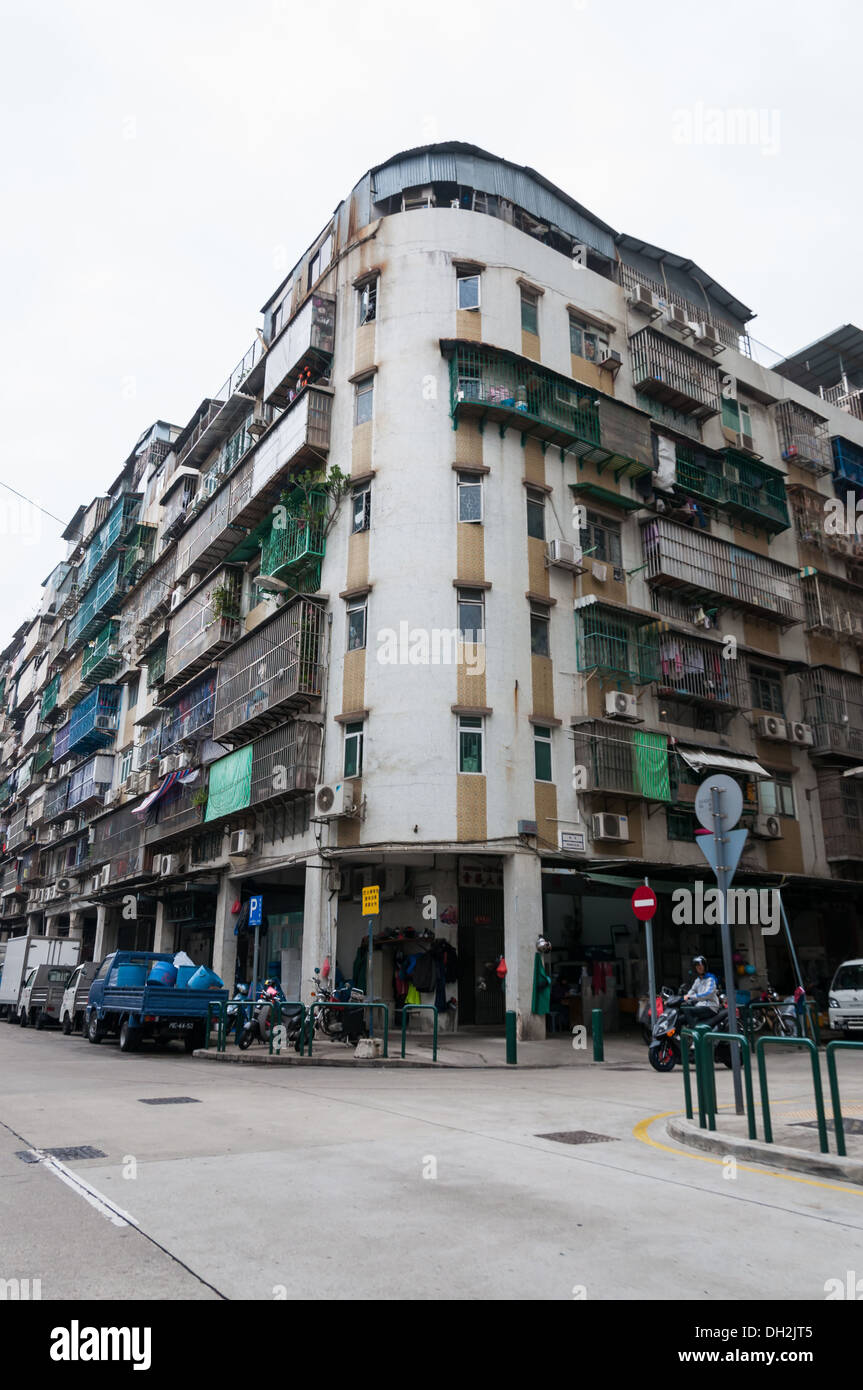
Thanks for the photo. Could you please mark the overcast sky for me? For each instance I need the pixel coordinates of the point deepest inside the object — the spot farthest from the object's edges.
(164, 164)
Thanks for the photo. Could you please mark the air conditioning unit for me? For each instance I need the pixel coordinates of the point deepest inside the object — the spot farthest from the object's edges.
(767, 828)
(69, 826)
(611, 362)
(176, 595)
(608, 827)
(64, 885)
(676, 318)
(392, 881)
(50, 893)
(104, 723)
(335, 800)
(51, 774)
(800, 733)
(366, 877)
(563, 553)
(242, 842)
(181, 760)
(705, 336)
(112, 796)
(256, 426)
(620, 705)
(166, 765)
(771, 727)
(642, 299)
(169, 864)
(746, 443)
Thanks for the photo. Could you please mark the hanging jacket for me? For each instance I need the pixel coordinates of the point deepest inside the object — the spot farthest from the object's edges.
(423, 974)
(541, 1002)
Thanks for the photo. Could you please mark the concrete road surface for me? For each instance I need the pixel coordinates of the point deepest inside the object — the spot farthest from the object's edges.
(420, 1184)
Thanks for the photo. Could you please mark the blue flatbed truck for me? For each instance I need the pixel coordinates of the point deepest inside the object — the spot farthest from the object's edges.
(136, 1011)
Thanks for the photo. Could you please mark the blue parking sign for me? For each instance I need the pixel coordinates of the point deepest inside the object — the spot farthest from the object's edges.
(255, 909)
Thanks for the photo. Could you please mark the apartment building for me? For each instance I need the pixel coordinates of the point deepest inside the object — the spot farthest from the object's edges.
(496, 540)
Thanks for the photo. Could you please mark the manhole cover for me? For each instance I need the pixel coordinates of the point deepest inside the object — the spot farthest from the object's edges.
(578, 1136)
(849, 1126)
(64, 1155)
(171, 1100)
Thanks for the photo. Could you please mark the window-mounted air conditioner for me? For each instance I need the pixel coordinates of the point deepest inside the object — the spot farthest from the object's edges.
(619, 705)
(706, 336)
(746, 443)
(392, 881)
(564, 554)
(104, 723)
(605, 826)
(256, 426)
(769, 726)
(800, 733)
(676, 318)
(242, 842)
(336, 799)
(641, 299)
(767, 828)
(611, 361)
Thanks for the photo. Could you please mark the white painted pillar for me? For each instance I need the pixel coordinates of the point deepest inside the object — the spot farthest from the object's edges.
(522, 916)
(224, 941)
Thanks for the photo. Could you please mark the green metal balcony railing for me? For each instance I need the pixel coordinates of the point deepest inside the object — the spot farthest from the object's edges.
(140, 547)
(297, 545)
(741, 486)
(110, 533)
(101, 600)
(156, 665)
(621, 759)
(102, 660)
(44, 755)
(515, 393)
(49, 696)
(615, 644)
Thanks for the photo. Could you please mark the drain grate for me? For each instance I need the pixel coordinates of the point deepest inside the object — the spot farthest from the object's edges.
(171, 1100)
(578, 1136)
(850, 1126)
(65, 1155)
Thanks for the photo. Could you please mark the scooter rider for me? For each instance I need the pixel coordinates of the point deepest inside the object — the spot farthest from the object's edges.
(701, 1001)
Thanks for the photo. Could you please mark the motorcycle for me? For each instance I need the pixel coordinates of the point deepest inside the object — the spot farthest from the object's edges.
(258, 1027)
(337, 1025)
(664, 1050)
(783, 1019)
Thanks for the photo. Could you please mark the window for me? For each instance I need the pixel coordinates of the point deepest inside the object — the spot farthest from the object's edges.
(600, 538)
(134, 686)
(776, 797)
(467, 288)
(126, 765)
(361, 500)
(539, 630)
(364, 397)
(354, 750)
(766, 683)
(469, 744)
(368, 302)
(536, 514)
(542, 753)
(586, 341)
(529, 311)
(469, 497)
(735, 416)
(356, 624)
(471, 615)
(320, 260)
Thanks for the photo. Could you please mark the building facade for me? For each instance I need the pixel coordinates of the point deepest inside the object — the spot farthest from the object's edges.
(496, 540)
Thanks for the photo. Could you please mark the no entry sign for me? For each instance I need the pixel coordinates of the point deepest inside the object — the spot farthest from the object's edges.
(644, 904)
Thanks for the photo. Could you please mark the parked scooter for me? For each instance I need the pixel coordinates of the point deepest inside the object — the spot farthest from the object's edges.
(338, 1025)
(664, 1050)
(259, 1026)
(783, 1019)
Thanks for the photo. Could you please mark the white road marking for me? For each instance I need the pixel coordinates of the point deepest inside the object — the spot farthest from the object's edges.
(103, 1204)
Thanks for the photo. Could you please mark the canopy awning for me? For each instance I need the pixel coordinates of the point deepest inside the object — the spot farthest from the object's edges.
(700, 761)
(853, 772)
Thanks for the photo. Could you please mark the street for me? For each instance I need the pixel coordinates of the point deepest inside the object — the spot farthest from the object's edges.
(372, 1184)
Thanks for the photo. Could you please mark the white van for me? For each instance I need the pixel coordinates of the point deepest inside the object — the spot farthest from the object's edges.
(845, 1004)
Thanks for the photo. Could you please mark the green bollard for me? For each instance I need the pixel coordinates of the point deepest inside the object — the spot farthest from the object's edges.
(596, 1028)
(511, 1049)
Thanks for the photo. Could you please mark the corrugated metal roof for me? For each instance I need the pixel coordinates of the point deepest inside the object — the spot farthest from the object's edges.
(818, 364)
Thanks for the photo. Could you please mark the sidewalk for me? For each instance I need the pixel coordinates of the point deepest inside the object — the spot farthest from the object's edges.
(469, 1048)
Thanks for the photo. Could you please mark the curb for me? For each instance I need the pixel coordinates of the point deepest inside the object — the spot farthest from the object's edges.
(264, 1059)
(689, 1132)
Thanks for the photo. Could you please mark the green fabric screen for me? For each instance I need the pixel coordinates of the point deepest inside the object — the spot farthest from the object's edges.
(651, 765)
(230, 783)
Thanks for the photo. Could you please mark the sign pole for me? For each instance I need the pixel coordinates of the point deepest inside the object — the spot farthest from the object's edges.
(723, 879)
(371, 909)
(651, 967)
(255, 916)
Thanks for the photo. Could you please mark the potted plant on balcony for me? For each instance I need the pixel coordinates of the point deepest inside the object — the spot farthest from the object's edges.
(223, 602)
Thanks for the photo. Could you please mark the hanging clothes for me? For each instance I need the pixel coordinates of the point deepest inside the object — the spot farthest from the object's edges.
(359, 970)
(541, 1001)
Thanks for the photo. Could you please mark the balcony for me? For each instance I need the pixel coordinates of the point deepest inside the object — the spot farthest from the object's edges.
(101, 601)
(295, 548)
(44, 756)
(138, 556)
(156, 665)
(803, 437)
(56, 799)
(148, 750)
(306, 344)
(19, 834)
(282, 765)
(847, 461)
(192, 715)
(808, 508)
(674, 375)
(623, 761)
(202, 626)
(11, 881)
(833, 706)
(216, 421)
(90, 782)
(33, 727)
(702, 568)
(840, 804)
(102, 659)
(180, 810)
(118, 841)
(49, 698)
(697, 673)
(614, 643)
(754, 492)
(833, 610)
(108, 538)
(274, 669)
(92, 725)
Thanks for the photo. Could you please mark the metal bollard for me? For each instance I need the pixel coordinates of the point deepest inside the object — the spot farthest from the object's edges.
(511, 1048)
(596, 1028)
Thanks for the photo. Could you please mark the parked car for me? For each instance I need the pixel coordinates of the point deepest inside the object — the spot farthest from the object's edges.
(74, 1005)
(22, 954)
(845, 1001)
(42, 995)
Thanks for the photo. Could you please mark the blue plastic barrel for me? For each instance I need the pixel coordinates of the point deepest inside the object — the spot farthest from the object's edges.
(163, 973)
(131, 976)
(184, 975)
(204, 978)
